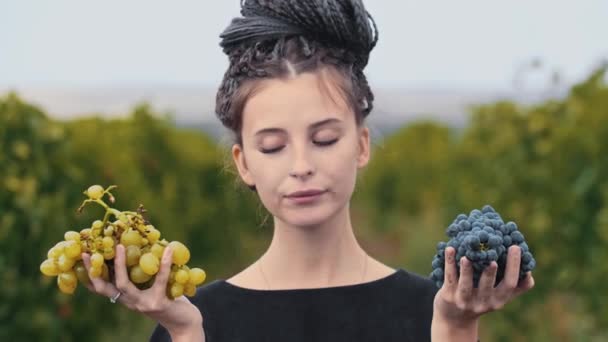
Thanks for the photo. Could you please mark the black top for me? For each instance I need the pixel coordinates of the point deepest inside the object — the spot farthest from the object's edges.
(398, 307)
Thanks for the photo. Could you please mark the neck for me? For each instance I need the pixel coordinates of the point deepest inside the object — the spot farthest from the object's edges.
(317, 256)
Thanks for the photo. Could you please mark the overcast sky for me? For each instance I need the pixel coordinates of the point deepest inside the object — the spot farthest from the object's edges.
(426, 43)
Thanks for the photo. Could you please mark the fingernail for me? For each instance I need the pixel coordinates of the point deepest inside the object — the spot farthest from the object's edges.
(517, 250)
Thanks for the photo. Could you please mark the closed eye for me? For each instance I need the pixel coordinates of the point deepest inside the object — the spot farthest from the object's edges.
(272, 150)
(319, 143)
(326, 143)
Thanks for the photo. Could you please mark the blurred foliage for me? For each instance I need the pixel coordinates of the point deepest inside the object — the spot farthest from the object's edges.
(544, 167)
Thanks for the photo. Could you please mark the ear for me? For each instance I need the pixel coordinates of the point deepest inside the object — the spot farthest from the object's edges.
(364, 147)
(239, 160)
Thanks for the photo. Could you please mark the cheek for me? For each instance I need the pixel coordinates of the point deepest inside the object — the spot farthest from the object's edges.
(267, 175)
(342, 171)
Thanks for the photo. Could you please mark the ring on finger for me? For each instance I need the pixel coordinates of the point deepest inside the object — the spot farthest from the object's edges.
(114, 298)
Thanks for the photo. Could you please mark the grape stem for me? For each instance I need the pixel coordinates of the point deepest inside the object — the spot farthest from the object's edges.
(109, 210)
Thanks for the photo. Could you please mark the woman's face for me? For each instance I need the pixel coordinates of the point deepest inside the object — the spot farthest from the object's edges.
(296, 138)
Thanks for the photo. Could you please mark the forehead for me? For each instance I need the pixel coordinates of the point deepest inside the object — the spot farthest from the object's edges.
(294, 103)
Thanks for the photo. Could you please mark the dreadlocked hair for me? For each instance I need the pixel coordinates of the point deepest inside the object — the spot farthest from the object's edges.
(277, 38)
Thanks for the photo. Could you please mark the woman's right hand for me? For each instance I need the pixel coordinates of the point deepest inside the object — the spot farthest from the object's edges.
(180, 317)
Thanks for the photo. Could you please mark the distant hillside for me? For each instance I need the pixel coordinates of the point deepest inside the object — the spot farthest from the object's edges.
(193, 106)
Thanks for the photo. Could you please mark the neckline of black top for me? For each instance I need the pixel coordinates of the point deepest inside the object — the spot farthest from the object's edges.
(365, 285)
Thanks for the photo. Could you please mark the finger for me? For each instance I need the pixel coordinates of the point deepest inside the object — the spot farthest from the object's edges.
(450, 282)
(487, 281)
(88, 285)
(465, 282)
(511, 278)
(162, 277)
(97, 285)
(123, 284)
(526, 284)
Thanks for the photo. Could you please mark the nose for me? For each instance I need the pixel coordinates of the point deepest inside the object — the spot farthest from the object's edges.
(302, 166)
(298, 174)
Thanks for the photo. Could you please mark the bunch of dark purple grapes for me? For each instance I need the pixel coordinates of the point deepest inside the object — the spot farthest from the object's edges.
(482, 237)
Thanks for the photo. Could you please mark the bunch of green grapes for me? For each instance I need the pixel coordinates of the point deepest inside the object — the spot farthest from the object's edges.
(143, 247)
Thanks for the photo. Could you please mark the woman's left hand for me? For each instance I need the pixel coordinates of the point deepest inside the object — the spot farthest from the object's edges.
(459, 304)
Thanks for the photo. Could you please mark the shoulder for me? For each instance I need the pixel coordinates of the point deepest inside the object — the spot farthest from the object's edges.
(419, 284)
(206, 293)
(405, 280)
(415, 289)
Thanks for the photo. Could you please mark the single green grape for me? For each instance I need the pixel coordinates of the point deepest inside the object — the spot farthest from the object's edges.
(65, 263)
(158, 250)
(133, 254)
(107, 242)
(149, 263)
(95, 192)
(97, 224)
(108, 231)
(65, 288)
(153, 234)
(72, 249)
(190, 290)
(130, 237)
(109, 253)
(95, 271)
(176, 290)
(54, 253)
(49, 268)
(138, 276)
(181, 254)
(96, 260)
(197, 276)
(68, 278)
(182, 276)
(81, 273)
(72, 235)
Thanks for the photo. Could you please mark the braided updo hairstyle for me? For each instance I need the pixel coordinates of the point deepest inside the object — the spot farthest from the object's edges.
(275, 38)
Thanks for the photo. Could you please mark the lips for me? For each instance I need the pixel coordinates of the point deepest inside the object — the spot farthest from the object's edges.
(306, 193)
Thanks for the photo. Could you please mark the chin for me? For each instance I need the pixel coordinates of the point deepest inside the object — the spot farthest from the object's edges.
(306, 223)
(309, 216)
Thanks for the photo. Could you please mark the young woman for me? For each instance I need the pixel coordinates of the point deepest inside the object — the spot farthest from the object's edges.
(295, 97)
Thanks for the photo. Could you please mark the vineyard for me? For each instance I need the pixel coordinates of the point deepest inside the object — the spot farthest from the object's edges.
(544, 166)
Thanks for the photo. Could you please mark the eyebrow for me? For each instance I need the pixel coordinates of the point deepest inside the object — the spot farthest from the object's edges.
(311, 127)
